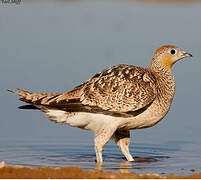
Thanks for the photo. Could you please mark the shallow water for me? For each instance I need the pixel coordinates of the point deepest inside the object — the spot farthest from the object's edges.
(172, 157)
(52, 47)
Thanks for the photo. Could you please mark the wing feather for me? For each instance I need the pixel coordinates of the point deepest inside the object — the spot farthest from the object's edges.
(120, 88)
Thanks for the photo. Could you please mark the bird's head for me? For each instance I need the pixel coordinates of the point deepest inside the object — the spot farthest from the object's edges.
(168, 55)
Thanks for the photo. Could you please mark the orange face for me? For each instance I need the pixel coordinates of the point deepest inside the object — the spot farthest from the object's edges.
(168, 55)
(167, 60)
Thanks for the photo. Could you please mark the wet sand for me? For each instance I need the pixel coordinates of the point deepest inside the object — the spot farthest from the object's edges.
(21, 172)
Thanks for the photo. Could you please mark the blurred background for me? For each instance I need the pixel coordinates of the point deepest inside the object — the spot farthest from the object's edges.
(52, 46)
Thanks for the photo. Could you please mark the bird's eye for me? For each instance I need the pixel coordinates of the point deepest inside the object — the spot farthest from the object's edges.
(173, 51)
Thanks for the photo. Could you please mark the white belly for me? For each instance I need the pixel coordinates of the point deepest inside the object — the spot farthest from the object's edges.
(84, 120)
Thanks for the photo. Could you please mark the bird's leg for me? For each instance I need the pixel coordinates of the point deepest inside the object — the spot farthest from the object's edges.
(98, 149)
(102, 138)
(122, 138)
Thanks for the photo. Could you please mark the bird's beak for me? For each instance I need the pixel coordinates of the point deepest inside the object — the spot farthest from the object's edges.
(185, 54)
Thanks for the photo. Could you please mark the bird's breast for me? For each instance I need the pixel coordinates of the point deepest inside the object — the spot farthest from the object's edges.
(157, 110)
(151, 116)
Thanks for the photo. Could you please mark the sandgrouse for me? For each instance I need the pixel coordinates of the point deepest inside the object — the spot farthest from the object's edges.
(115, 100)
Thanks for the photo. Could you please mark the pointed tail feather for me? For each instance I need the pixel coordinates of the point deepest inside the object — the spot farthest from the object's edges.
(35, 98)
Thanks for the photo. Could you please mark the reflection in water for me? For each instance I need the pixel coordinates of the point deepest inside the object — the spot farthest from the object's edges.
(125, 166)
(99, 166)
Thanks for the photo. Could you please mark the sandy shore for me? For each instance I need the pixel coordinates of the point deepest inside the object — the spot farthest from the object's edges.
(21, 172)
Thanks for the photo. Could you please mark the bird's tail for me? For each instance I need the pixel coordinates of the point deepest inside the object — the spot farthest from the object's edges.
(35, 98)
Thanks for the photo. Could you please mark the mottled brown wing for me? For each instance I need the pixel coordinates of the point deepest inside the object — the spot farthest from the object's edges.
(120, 88)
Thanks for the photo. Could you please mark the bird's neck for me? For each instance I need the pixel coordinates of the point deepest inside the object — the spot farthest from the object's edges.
(165, 83)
